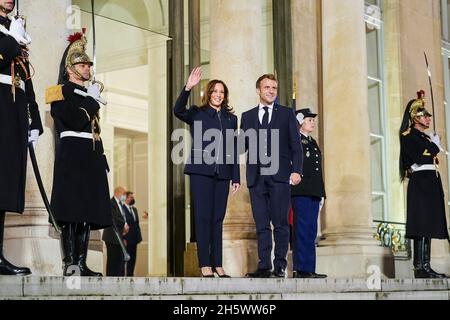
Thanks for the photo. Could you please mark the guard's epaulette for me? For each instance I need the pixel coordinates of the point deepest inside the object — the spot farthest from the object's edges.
(405, 133)
(54, 94)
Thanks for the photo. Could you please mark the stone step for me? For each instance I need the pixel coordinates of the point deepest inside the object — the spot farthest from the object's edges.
(50, 288)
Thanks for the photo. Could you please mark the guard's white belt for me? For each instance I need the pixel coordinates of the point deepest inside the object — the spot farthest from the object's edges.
(85, 135)
(425, 167)
(7, 80)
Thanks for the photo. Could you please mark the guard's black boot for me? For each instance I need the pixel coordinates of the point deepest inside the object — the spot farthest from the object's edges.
(6, 268)
(83, 234)
(419, 257)
(427, 260)
(68, 238)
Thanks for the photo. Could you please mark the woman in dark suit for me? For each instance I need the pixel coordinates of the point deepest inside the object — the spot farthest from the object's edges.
(211, 166)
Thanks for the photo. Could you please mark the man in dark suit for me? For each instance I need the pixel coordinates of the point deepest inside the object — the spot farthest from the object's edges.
(115, 265)
(274, 163)
(134, 236)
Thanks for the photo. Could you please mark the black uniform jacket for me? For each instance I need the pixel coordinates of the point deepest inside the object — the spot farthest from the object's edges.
(80, 183)
(425, 197)
(312, 180)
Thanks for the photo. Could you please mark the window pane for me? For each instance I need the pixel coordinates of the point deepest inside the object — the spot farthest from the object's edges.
(372, 52)
(375, 108)
(376, 147)
(151, 15)
(378, 207)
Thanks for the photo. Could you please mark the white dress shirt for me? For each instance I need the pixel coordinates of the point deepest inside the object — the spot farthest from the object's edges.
(261, 112)
(119, 204)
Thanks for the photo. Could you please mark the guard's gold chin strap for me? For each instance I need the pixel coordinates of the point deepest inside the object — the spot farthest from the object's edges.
(79, 74)
(421, 124)
(4, 10)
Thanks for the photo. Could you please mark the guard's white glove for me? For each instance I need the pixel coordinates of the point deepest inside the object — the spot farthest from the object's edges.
(94, 91)
(33, 136)
(17, 31)
(300, 118)
(436, 140)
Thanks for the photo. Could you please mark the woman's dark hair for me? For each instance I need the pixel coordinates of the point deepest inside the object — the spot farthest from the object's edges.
(210, 89)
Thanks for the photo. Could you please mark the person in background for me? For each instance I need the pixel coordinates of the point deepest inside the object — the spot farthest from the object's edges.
(134, 236)
(115, 264)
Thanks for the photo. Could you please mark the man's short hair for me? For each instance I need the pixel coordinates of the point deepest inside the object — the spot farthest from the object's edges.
(128, 193)
(265, 76)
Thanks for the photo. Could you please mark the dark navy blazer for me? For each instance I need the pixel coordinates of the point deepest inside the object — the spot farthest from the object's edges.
(204, 160)
(290, 157)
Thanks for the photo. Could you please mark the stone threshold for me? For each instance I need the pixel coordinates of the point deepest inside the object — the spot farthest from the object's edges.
(67, 288)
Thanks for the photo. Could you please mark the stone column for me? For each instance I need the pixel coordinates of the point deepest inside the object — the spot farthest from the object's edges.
(237, 51)
(305, 54)
(157, 162)
(349, 248)
(29, 239)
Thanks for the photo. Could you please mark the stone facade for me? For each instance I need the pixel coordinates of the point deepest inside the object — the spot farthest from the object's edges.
(330, 68)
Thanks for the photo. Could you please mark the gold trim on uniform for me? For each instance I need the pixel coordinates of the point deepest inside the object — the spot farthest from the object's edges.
(87, 113)
(407, 132)
(54, 94)
(1, 56)
(427, 153)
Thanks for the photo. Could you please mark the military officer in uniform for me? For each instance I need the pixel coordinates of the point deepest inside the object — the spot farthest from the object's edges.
(425, 199)
(306, 199)
(80, 197)
(20, 122)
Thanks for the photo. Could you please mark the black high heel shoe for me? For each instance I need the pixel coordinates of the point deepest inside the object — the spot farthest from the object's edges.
(207, 275)
(221, 275)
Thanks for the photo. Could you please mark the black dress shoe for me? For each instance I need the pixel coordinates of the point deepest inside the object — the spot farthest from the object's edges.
(319, 275)
(259, 274)
(308, 275)
(303, 274)
(279, 273)
(8, 269)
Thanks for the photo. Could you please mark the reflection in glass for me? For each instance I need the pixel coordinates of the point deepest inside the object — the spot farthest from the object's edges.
(377, 165)
(375, 108)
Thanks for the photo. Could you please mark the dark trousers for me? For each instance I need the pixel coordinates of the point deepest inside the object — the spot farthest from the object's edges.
(115, 266)
(306, 212)
(270, 203)
(210, 196)
(132, 251)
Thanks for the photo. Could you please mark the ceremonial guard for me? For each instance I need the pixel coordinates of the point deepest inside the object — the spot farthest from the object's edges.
(306, 200)
(20, 122)
(80, 197)
(425, 199)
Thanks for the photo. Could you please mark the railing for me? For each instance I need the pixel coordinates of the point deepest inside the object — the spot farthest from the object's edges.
(392, 235)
